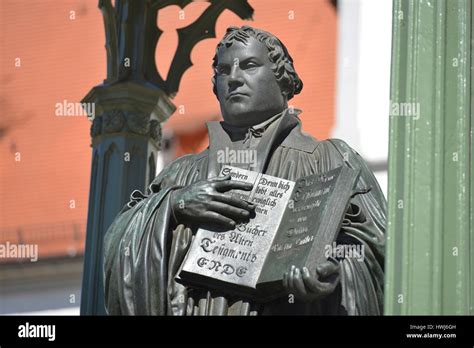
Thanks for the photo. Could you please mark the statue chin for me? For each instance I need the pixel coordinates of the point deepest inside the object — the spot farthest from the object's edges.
(242, 117)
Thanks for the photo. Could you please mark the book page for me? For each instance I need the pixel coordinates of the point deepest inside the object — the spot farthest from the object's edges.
(237, 256)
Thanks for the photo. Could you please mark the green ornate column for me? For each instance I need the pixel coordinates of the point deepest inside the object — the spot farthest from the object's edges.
(126, 131)
(130, 106)
(430, 241)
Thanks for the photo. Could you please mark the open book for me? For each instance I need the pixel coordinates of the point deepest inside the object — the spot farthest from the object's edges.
(293, 223)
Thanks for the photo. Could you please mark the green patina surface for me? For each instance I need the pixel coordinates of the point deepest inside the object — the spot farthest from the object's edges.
(429, 265)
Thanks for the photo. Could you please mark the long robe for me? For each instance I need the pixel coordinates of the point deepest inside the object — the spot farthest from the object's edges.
(144, 249)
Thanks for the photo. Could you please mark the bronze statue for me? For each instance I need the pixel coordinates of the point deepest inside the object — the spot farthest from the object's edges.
(254, 78)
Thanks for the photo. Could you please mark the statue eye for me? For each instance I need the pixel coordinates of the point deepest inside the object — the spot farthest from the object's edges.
(250, 65)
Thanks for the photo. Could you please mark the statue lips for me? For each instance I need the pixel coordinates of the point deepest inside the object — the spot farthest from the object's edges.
(236, 94)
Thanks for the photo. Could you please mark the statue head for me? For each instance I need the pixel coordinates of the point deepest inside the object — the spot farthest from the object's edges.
(254, 76)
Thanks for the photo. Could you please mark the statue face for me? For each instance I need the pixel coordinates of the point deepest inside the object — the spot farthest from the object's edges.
(247, 89)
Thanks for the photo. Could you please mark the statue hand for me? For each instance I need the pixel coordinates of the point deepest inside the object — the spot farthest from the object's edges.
(308, 287)
(205, 201)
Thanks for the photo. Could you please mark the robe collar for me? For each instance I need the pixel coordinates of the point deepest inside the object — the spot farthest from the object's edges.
(219, 139)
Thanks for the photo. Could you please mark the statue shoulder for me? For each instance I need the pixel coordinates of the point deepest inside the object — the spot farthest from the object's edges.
(352, 158)
(340, 152)
(169, 173)
(343, 148)
(301, 141)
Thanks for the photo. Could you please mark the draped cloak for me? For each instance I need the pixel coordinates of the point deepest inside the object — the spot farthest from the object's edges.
(144, 248)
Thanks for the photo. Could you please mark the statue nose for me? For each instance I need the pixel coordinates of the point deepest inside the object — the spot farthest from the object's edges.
(235, 76)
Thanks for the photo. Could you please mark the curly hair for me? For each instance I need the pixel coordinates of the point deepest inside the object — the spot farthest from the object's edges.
(286, 76)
